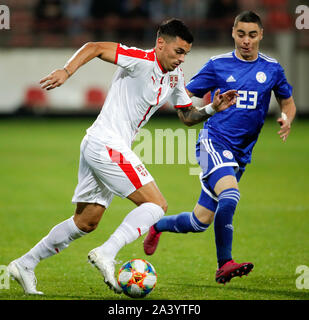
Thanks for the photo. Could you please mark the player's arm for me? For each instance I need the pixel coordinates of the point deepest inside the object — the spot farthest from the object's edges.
(288, 111)
(103, 50)
(193, 115)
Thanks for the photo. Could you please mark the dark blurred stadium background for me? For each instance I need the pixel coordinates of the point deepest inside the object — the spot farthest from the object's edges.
(43, 34)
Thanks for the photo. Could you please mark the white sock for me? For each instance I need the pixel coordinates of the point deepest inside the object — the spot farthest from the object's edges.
(135, 224)
(58, 239)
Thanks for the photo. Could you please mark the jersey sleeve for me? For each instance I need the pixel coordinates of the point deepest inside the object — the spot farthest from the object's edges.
(180, 98)
(282, 88)
(132, 59)
(203, 81)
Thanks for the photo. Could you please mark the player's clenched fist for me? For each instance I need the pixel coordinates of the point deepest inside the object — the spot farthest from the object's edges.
(54, 79)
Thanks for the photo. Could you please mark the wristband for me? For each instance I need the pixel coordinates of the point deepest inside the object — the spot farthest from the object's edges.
(284, 116)
(209, 109)
(66, 70)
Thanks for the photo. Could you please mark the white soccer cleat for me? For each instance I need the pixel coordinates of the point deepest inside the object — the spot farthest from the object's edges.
(107, 268)
(24, 276)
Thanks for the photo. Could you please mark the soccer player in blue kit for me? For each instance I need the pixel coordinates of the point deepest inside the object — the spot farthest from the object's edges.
(225, 144)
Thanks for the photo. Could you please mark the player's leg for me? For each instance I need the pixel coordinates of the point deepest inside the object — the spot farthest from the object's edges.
(222, 173)
(228, 196)
(197, 220)
(203, 214)
(124, 174)
(59, 238)
(151, 206)
(88, 215)
(86, 218)
(226, 188)
(91, 199)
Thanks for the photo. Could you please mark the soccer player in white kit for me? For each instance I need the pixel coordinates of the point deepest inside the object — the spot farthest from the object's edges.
(145, 81)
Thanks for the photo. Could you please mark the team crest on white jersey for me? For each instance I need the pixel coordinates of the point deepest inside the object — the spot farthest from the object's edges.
(261, 77)
(228, 154)
(173, 81)
(142, 170)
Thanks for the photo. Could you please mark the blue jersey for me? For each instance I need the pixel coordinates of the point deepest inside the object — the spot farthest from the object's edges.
(237, 128)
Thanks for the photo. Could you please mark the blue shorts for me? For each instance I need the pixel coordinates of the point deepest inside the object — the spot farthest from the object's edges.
(216, 161)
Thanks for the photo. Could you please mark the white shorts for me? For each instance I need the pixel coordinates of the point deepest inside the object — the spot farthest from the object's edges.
(105, 170)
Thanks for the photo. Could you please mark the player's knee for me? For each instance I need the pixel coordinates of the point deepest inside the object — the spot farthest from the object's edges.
(88, 216)
(161, 203)
(206, 219)
(164, 206)
(87, 226)
(85, 223)
(228, 200)
(204, 215)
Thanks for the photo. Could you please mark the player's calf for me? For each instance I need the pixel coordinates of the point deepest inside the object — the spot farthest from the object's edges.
(182, 223)
(223, 224)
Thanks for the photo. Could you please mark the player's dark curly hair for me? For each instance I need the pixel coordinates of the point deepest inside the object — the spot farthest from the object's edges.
(248, 16)
(175, 28)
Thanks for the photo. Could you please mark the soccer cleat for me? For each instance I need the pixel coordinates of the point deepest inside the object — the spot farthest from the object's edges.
(107, 268)
(151, 241)
(24, 276)
(232, 269)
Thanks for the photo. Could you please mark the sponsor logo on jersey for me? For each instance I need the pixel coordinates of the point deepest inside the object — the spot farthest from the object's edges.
(228, 154)
(230, 79)
(261, 77)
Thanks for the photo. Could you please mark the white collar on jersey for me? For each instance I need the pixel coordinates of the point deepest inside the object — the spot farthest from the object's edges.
(248, 61)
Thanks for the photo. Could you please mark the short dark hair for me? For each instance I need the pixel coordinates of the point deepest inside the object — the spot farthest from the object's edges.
(248, 16)
(175, 28)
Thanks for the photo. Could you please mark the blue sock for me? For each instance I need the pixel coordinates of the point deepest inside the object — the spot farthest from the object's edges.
(181, 223)
(223, 227)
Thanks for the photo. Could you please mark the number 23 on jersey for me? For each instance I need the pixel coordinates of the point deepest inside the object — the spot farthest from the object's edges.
(246, 99)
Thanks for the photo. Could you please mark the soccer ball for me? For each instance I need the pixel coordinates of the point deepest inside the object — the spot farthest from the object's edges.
(137, 278)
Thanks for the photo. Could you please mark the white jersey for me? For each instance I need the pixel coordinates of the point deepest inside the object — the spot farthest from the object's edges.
(139, 88)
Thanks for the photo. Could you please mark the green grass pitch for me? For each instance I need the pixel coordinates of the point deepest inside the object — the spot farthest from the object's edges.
(38, 172)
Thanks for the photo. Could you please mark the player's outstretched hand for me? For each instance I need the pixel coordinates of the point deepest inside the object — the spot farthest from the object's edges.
(54, 79)
(285, 126)
(222, 101)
